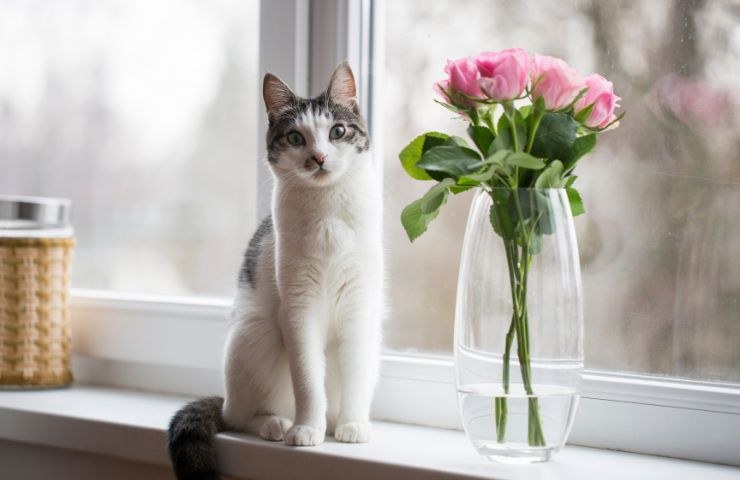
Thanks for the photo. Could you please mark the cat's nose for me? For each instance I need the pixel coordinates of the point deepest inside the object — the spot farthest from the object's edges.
(319, 159)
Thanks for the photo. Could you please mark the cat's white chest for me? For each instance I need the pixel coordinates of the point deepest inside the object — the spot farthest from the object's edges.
(333, 237)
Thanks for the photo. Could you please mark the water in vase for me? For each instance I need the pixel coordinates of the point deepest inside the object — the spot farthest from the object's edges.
(556, 407)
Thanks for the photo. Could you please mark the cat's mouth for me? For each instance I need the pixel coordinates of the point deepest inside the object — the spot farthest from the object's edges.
(318, 173)
(321, 173)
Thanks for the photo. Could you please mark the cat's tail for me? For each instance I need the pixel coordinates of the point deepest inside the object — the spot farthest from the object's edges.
(190, 439)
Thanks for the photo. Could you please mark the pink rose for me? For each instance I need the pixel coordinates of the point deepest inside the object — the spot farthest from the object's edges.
(555, 81)
(503, 74)
(600, 94)
(693, 102)
(463, 77)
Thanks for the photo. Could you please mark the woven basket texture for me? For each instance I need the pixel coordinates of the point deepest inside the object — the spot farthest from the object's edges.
(35, 339)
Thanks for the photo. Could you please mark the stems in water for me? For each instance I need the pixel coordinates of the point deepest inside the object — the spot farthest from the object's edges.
(518, 263)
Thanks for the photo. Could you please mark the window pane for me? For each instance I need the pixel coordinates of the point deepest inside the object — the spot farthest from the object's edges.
(660, 244)
(144, 114)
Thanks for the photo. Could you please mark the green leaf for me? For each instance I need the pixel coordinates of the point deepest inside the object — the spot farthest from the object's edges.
(453, 108)
(456, 141)
(531, 213)
(504, 140)
(545, 222)
(413, 152)
(555, 136)
(583, 115)
(500, 220)
(436, 196)
(481, 136)
(501, 195)
(535, 244)
(539, 105)
(576, 202)
(503, 124)
(519, 206)
(476, 178)
(414, 221)
(525, 160)
(525, 202)
(580, 147)
(551, 177)
(570, 180)
(498, 157)
(501, 142)
(457, 189)
(468, 181)
(451, 161)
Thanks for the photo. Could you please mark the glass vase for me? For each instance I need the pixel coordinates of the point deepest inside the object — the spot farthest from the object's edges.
(519, 324)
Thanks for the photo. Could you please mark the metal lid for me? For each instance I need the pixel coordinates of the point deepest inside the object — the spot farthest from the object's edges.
(30, 213)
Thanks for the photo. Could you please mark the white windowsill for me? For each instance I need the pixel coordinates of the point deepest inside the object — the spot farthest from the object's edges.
(118, 342)
(131, 425)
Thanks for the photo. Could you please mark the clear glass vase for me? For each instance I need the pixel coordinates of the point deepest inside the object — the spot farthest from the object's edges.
(519, 324)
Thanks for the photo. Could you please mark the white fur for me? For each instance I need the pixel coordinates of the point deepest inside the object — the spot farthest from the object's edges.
(304, 349)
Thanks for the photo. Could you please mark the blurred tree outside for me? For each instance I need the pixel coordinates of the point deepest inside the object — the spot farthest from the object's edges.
(144, 114)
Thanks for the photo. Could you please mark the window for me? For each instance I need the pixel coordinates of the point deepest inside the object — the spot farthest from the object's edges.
(660, 244)
(165, 174)
(145, 115)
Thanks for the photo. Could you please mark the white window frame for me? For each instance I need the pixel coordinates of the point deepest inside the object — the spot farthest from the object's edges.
(174, 344)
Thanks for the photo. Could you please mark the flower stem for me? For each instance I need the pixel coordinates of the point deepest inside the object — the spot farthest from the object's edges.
(536, 436)
(507, 352)
(536, 119)
(518, 267)
(501, 402)
(511, 116)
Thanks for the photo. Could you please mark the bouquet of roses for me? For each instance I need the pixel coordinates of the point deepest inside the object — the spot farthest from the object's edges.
(531, 119)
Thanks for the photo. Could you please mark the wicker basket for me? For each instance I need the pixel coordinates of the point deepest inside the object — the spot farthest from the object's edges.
(35, 341)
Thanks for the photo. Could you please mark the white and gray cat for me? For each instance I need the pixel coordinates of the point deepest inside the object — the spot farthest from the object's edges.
(302, 356)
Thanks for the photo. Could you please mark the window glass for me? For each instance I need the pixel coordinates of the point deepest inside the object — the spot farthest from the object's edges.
(144, 114)
(660, 243)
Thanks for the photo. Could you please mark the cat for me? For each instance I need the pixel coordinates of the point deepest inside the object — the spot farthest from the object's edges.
(303, 353)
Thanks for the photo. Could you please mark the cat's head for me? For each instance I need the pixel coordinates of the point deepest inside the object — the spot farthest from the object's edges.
(315, 140)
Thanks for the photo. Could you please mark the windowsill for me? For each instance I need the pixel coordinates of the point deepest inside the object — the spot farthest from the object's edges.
(131, 425)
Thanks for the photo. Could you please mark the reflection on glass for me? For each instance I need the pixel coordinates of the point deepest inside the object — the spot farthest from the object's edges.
(660, 244)
(144, 114)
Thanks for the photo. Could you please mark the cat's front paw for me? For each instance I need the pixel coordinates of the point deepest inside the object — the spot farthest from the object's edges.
(274, 428)
(353, 432)
(303, 436)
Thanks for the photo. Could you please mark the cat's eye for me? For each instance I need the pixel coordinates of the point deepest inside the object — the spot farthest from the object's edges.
(337, 131)
(295, 139)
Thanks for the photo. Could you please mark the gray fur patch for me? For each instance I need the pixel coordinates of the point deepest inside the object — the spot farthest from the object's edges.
(248, 272)
(190, 439)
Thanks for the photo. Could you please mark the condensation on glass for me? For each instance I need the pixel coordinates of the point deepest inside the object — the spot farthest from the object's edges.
(660, 243)
(144, 114)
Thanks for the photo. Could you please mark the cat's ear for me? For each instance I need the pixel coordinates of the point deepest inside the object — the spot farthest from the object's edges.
(342, 88)
(277, 95)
